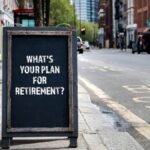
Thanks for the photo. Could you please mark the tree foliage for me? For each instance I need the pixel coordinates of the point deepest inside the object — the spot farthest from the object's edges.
(91, 31)
(61, 11)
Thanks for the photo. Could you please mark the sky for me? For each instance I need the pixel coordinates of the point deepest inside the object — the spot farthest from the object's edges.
(71, 1)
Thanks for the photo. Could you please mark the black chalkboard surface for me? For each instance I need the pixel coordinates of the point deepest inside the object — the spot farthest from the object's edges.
(39, 81)
(39, 63)
(39, 94)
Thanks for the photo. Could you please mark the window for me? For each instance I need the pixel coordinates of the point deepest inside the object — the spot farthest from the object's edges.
(28, 22)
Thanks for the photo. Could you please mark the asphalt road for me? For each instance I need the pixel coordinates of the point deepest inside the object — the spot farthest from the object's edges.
(120, 80)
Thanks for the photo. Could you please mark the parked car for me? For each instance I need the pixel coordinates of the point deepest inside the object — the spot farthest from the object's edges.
(86, 44)
(80, 46)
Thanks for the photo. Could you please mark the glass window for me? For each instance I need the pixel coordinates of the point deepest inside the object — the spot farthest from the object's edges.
(28, 22)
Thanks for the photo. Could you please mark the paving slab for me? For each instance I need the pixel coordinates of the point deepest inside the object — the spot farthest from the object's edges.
(115, 140)
(94, 142)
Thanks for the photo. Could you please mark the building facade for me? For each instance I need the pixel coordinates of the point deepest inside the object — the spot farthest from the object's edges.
(6, 16)
(131, 25)
(120, 22)
(81, 10)
(25, 4)
(6, 12)
(101, 23)
(24, 16)
(109, 25)
(86, 10)
(142, 15)
(105, 33)
(92, 9)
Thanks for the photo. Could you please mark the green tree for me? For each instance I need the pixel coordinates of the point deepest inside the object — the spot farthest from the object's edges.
(91, 31)
(62, 12)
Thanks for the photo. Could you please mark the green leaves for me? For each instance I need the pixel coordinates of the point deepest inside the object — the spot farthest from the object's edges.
(61, 11)
(91, 31)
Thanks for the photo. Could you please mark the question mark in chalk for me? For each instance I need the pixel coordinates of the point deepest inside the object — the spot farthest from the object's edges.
(62, 90)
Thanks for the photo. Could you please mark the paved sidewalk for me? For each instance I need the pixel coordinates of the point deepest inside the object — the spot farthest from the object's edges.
(95, 133)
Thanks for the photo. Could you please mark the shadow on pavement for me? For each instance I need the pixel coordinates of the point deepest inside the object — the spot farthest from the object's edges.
(16, 144)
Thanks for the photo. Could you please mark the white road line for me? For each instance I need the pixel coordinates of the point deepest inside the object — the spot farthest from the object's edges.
(142, 99)
(143, 127)
(101, 69)
(109, 69)
(148, 107)
(84, 60)
(98, 68)
(137, 88)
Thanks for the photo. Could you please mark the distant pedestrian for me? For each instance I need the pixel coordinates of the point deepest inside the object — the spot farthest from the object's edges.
(140, 44)
(121, 42)
(130, 44)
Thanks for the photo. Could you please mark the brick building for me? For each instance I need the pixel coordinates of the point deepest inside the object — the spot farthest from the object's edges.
(109, 25)
(142, 14)
(101, 23)
(105, 23)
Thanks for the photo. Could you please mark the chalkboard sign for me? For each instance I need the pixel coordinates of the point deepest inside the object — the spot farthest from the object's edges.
(39, 82)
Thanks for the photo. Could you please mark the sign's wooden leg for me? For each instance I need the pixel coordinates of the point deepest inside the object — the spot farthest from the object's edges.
(73, 142)
(5, 142)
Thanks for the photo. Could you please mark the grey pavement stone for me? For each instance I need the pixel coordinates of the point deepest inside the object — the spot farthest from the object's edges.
(95, 122)
(91, 114)
(115, 140)
(83, 126)
(46, 144)
(94, 142)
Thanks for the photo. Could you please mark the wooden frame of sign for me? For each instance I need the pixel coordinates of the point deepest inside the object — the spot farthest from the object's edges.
(12, 125)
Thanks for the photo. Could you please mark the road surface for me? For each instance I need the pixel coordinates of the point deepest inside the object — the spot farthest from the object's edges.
(120, 82)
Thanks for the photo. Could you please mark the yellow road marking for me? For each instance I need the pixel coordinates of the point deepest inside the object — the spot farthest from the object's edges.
(143, 127)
